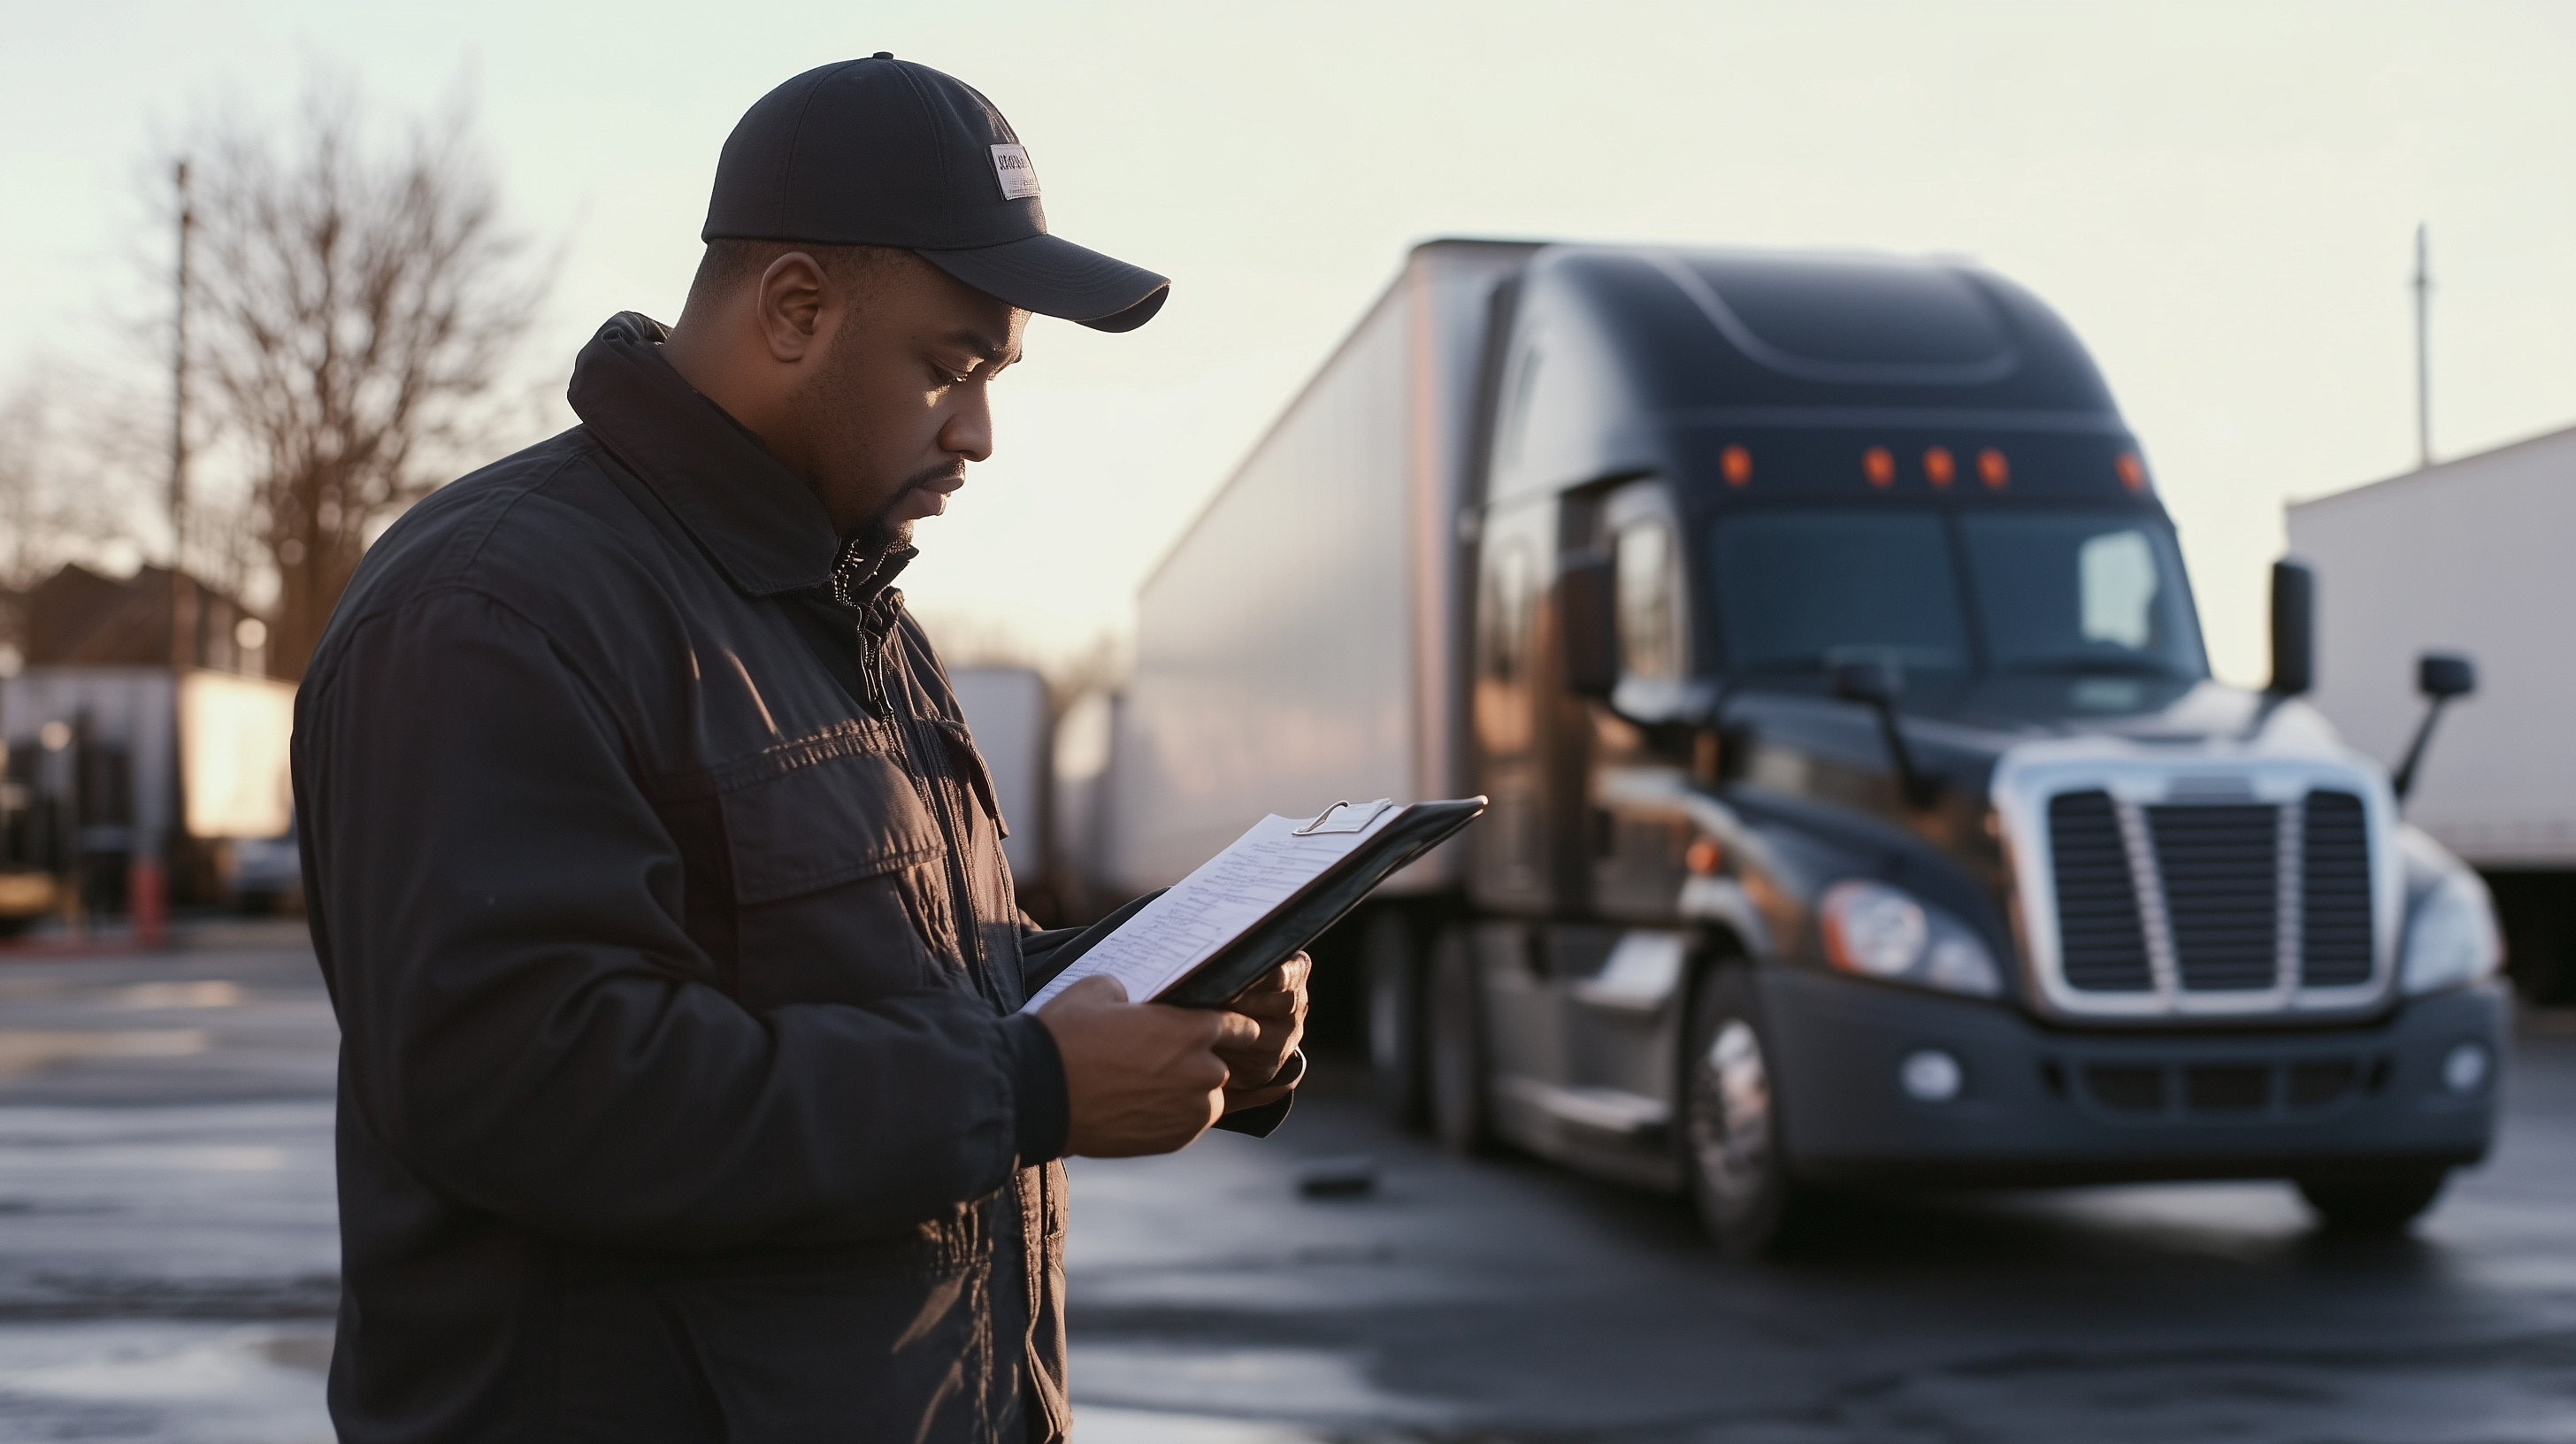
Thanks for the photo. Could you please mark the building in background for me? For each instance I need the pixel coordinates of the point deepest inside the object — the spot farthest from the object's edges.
(2473, 557)
(140, 740)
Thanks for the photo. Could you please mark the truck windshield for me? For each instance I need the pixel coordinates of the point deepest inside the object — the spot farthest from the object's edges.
(2063, 592)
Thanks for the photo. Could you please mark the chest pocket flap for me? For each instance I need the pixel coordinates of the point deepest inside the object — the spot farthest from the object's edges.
(823, 818)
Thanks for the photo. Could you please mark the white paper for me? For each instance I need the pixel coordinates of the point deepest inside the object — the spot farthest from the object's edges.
(1213, 906)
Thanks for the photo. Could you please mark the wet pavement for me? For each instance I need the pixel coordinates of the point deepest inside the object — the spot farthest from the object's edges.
(167, 1273)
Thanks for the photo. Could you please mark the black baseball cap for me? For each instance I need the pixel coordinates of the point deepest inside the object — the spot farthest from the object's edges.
(883, 152)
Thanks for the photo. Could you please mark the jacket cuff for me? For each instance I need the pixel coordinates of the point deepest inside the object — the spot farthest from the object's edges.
(1037, 1090)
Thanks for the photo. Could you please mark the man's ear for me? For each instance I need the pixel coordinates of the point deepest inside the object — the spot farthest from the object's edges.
(790, 305)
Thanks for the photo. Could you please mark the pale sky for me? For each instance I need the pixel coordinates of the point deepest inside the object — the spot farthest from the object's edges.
(2221, 198)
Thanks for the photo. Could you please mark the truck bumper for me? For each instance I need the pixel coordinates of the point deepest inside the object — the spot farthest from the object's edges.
(2040, 1106)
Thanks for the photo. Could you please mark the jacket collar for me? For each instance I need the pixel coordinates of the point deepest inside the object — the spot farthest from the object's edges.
(763, 526)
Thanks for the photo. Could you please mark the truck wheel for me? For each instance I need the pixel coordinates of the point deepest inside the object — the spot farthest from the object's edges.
(1461, 1112)
(1395, 1018)
(2383, 1200)
(1732, 1156)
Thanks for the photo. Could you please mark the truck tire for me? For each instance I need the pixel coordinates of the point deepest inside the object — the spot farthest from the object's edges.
(1732, 1152)
(2382, 1201)
(1395, 1041)
(1460, 1104)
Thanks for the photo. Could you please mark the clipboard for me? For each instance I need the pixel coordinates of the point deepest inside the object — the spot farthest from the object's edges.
(1297, 920)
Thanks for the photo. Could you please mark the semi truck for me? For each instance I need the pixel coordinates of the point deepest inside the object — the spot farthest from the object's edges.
(1863, 811)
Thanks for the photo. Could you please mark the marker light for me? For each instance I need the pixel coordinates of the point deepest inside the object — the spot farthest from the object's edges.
(1937, 465)
(1736, 464)
(1704, 856)
(2133, 472)
(1878, 466)
(1993, 469)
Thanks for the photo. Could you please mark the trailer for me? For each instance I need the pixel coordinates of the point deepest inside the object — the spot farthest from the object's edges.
(2464, 558)
(1863, 811)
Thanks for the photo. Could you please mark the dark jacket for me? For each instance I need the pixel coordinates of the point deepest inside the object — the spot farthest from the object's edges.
(660, 891)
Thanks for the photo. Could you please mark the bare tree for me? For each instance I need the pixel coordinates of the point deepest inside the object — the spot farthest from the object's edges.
(64, 477)
(354, 308)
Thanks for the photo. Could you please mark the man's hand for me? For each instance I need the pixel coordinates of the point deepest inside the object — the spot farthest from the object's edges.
(1142, 1077)
(1278, 1004)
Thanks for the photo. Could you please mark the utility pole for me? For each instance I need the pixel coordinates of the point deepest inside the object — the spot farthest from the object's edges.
(148, 877)
(2423, 351)
(179, 387)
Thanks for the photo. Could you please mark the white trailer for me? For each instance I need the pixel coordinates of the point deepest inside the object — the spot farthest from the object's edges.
(1302, 641)
(1006, 709)
(2470, 557)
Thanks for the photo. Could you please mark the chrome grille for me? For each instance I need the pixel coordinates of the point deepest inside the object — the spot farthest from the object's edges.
(2209, 895)
(2334, 930)
(2221, 870)
(2101, 946)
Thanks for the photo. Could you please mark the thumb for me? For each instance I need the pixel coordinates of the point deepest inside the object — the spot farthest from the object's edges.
(1097, 989)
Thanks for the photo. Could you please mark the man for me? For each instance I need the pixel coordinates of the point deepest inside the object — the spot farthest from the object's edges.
(684, 1094)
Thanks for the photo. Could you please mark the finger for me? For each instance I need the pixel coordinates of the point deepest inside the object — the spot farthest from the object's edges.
(1235, 1031)
(1189, 1027)
(1265, 1005)
(1238, 1100)
(1288, 977)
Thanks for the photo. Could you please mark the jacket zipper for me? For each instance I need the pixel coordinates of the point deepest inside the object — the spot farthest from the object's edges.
(920, 750)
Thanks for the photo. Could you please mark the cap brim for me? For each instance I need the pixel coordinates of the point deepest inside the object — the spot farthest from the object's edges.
(1054, 277)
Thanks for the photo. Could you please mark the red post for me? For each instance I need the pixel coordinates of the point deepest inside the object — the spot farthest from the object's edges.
(147, 896)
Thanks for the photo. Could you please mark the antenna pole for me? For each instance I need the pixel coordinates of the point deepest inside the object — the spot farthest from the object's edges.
(2423, 351)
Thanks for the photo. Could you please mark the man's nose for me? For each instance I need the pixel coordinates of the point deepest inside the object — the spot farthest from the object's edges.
(969, 429)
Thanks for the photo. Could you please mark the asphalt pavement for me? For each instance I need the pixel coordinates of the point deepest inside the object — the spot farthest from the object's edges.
(167, 1272)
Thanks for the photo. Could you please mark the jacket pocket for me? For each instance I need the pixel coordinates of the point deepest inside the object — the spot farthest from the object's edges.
(849, 814)
(839, 878)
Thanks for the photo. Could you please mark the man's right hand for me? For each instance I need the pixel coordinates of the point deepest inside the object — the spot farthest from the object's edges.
(1138, 1077)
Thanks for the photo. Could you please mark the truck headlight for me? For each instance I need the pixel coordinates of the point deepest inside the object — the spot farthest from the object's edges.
(1878, 931)
(2451, 937)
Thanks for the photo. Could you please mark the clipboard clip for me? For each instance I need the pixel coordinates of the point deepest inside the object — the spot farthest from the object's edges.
(1362, 814)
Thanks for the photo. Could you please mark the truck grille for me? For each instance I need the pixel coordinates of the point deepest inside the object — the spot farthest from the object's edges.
(2100, 943)
(2211, 897)
(2221, 869)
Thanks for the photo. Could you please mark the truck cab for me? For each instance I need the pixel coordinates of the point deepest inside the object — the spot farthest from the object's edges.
(1863, 809)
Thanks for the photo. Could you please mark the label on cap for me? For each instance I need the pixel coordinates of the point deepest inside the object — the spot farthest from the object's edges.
(1011, 166)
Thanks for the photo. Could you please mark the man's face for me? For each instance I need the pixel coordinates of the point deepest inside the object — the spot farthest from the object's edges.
(899, 404)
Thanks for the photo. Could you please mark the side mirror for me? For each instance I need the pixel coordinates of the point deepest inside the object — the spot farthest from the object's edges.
(1875, 681)
(2294, 629)
(2440, 676)
(2445, 675)
(1587, 627)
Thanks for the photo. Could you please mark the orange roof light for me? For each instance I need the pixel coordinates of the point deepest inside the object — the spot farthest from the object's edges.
(2133, 472)
(1993, 469)
(1736, 464)
(1937, 465)
(1878, 466)
(1704, 856)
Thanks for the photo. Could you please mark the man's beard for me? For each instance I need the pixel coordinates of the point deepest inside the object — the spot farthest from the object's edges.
(882, 533)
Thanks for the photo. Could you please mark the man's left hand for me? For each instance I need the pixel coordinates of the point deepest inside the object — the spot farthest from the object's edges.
(1278, 1004)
